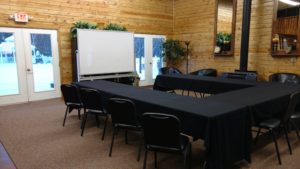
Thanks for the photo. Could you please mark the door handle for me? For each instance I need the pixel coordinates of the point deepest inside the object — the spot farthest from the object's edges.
(28, 70)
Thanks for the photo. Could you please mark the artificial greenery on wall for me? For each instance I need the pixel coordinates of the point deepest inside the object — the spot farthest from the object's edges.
(81, 25)
(223, 37)
(115, 27)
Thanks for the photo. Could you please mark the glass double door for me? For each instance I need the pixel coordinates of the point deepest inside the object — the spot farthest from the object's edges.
(148, 51)
(29, 65)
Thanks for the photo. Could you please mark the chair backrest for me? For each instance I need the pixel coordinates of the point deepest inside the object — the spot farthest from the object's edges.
(161, 130)
(285, 78)
(122, 111)
(91, 99)
(291, 109)
(70, 94)
(205, 72)
(169, 70)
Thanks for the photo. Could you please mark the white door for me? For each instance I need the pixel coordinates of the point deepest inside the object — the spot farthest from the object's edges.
(29, 65)
(148, 56)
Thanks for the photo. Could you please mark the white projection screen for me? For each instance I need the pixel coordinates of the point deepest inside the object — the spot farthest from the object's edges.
(105, 52)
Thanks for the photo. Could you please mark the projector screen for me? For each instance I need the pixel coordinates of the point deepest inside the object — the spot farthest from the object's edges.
(105, 52)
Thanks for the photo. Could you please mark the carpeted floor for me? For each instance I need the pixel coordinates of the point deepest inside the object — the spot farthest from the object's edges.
(33, 135)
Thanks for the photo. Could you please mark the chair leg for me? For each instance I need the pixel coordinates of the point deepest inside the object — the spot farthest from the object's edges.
(145, 159)
(155, 159)
(79, 114)
(65, 116)
(83, 122)
(112, 142)
(140, 149)
(296, 128)
(276, 145)
(196, 94)
(257, 134)
(287, 138)
(126, 137)
(104, 128)
(182, 93)
(97, 121)
(190, 156)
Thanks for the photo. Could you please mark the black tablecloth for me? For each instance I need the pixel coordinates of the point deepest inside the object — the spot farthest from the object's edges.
(222, 120)
(267, 99)
(224, 127)
(203, 84)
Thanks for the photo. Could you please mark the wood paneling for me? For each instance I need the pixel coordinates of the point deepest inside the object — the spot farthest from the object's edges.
(194, 21)
(287, 25)
(141, 16)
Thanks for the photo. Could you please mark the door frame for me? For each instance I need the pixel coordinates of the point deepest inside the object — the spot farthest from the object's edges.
(23, 57)
(32, 95)
(148, 51)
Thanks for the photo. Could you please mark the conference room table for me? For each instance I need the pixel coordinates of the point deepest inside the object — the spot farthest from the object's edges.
(266, 99)
(222, 120)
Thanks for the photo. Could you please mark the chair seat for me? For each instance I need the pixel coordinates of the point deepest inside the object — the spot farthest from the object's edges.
(128, 126)
(295, 116)
(184, 141)
(271, 123)
(95, 112)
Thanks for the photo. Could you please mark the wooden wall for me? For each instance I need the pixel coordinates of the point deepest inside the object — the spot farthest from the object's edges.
(194, 21)
(142, 16)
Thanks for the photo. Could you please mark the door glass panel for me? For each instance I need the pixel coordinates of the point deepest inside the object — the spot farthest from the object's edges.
(139, 52)
(157, 58)
(42, 62)
(9, 84)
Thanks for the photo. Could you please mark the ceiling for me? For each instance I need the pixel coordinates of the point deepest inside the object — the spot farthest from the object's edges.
(282, 5)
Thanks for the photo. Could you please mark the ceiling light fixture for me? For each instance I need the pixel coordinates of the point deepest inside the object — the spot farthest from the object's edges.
(290, 2)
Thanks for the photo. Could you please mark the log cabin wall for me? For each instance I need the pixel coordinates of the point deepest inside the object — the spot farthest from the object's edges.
(194, 21)
(153, 17)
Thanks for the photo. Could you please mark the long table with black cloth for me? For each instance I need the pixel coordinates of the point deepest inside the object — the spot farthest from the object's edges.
(223, 120)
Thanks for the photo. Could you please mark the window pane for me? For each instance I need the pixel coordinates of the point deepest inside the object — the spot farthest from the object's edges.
(42, 62)
(9, 84)
(157, 57)
(139, 52)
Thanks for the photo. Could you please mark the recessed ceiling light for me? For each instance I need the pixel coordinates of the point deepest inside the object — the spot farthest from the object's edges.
(290, 2)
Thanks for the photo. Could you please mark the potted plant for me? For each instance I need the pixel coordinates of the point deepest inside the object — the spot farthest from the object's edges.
(115, 27)
(173, 50)
(81, 25)
(223, 41)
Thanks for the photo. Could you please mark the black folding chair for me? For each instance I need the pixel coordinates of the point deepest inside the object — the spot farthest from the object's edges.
(285, 78)
(168, 71)
(162, 133)
(72, 99)
(204, 72)
(280, 123)
(92, 104)
(123, 115)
